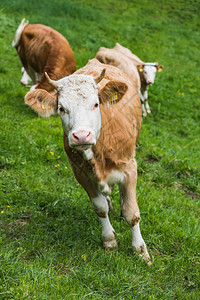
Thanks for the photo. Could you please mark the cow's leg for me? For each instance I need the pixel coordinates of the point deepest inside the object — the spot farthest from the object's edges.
(144, 113)
(147, 106)
(100, 202)
(101, 207)
(130, 209)
(146, 102)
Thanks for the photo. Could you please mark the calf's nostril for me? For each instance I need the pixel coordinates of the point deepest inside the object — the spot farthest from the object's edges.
(75, 137)
(89, 134)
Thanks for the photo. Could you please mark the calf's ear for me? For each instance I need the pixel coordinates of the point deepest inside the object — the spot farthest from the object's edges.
(159, 68)
(112, 92)
(44, 103)
(140, 68)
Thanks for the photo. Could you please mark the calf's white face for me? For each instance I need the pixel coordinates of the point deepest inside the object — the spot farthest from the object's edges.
(149, 71)
(78, 107)
(77, 102)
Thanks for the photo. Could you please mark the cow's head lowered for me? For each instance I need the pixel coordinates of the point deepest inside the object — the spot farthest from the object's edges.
(77, 101)
(149, 71)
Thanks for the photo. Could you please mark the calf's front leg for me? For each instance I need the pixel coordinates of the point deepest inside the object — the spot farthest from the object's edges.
(146, 102)
(101, 207)
(100, 203)
(130, 209)
(144, 113)
(145, 105)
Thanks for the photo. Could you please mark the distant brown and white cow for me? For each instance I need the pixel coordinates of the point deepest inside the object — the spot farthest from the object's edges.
(42, 49)
(124, 59)
(101, 125)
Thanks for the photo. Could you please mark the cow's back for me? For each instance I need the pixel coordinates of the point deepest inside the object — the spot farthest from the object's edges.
(115, 58)
(135, 59)
(41, 46)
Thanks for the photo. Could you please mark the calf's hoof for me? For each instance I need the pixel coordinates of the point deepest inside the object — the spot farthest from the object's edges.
(144, 114)
(110, 242)
(143, 253)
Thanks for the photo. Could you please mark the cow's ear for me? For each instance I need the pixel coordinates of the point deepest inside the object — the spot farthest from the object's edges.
(112, 92)
(140, 68)
(159, 68)
(44, 103)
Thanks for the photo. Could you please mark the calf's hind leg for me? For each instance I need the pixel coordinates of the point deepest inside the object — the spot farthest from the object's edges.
(130, 209)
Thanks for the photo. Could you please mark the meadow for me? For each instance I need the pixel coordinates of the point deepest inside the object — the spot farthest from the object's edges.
(50, 237)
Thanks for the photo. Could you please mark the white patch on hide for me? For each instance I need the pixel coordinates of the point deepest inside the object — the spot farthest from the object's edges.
(114, 177)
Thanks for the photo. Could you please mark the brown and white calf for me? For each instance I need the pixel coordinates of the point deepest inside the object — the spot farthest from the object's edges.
(101, 126)
(124, 59)
(42, 49)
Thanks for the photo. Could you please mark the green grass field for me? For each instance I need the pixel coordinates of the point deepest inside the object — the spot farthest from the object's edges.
(50, 237)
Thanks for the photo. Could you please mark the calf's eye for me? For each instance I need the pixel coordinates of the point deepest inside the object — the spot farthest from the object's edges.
(96, 105)
(61, 109)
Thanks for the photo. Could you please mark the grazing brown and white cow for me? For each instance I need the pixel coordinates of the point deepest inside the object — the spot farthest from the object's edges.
(124, 59)
(43, 49)
(101, 125)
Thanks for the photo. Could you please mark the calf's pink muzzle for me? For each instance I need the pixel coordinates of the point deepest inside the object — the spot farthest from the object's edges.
(150, 82)
(82, 137)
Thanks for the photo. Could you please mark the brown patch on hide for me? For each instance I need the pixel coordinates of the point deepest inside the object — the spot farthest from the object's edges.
(100, 212)
(134, 221)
